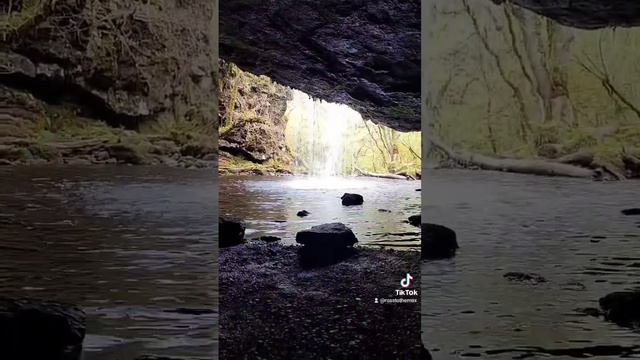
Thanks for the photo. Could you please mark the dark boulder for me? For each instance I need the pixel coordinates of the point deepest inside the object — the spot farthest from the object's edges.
(303, 213)
(438, 242)
(622, 308)
(415, 220)
(269, 238)
(33, 329)
(231, 233)
(425, 354)
(352, 199)
(632, 211)
(325, 244)
(532, 278)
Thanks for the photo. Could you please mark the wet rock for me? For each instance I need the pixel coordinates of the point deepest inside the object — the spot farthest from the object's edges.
(631, 211)
(231, 233)
(126, 154)
(303, 213)
(33, 329)
(191, 311)
(269, 238)
(438, 242)
(415, 220)
(622, 308)
(352, 199)
(384, 210)
(325, 244)
(532, 278)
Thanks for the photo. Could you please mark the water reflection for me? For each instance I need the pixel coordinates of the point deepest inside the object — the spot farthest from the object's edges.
(127, 244)
(569, 231)
(269, 206)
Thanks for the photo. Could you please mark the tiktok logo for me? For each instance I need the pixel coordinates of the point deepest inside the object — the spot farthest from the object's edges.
(406, 282)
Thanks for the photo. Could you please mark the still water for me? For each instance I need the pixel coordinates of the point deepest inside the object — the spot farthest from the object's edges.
(134, 247)
(569, 231)
(268, 206)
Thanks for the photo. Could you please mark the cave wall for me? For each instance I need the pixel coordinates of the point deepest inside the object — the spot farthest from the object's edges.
(365, 54)
(252, 116)
(124, 61)
(586, 14)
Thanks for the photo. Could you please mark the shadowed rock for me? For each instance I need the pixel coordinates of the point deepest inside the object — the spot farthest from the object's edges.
(325, 244)
(269, 238)
(33, 329)
(303, 213)
(415, 220)
(632, 211)
(352, 199)
(622, 308)
(532, 278)
(438, 242)
(230, 232)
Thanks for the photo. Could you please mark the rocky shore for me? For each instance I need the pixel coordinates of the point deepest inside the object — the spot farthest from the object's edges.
(272, 307)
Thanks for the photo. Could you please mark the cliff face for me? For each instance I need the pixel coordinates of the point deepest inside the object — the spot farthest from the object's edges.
(365, 54)
(252, 124)
(121, 61)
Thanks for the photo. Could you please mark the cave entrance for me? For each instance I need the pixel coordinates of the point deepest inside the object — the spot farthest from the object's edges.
(328, 140)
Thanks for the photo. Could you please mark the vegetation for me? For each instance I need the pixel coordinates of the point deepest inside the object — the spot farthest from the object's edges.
(334, 139)
(504, 81)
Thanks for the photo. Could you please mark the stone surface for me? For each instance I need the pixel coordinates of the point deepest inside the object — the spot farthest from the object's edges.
(438, 242)
(352, 199)
(230, 233)
(365, 54)
(34, 329)
(622, 308)
(587, 14)
(117, 60)
(333, 235)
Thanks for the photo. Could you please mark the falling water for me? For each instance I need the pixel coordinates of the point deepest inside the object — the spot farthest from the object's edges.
(318, 134)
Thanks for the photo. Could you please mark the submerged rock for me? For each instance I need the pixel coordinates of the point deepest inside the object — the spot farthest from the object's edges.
(622, 308)
(269, 238)
(525, 277)
(230, 232)
(438, 242)
(415, 220)
(325, 244)
(352, 199)
(303, 213)
(33, 329)
(632, 211)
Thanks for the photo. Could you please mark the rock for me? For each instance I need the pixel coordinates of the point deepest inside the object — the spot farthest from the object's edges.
(415, 220)
(325, 244)
(352, 199)
(586, 14)
(303, 213)
(438, 242)
(33, 329)
(334, 235)
(354, 52)
(525, 277)
(126, 154)
(269, 239)
(622, 308)
(631, 211)
(230, 233)
(424, 353)
(384, 210)
(77, 161)
(101, 156)
(123, 89)
(191, 311)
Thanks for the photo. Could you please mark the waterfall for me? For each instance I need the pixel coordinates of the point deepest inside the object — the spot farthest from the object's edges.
(318, 135)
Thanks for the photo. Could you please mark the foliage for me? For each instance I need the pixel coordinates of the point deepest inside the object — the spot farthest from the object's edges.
(505, 81)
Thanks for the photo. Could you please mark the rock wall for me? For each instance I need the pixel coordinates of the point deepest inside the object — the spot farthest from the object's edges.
(587, 14)
(363, 53)
(125, 62)
(252, 123)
